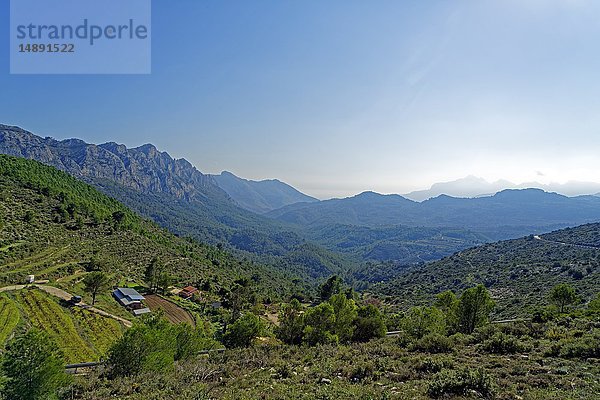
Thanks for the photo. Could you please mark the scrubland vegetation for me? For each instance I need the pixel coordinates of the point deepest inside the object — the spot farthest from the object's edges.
(269, 338)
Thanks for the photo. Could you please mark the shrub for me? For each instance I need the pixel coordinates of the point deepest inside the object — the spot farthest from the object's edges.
(148, 346)
(485, 332)
(362, 371)
(587, 346)
(319, 327)
(460, 339)
(34, 367)
(369, 324)
(460, 383)
(502, 343)
(421, 321)
(242, 331)
(433, 365)
(542, 315)
(594, 305)
(433, 343)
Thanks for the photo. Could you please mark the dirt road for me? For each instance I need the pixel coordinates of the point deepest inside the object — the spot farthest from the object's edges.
(54, 291)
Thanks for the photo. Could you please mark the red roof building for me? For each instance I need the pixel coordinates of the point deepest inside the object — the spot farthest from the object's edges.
(187, 292)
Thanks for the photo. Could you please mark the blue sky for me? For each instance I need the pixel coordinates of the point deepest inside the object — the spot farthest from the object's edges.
(337, 97)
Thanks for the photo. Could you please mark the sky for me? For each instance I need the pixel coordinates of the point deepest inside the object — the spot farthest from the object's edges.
(339, 97)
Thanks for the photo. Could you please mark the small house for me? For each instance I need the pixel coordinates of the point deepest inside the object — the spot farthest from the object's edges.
(187, 292)
(30, 279)
(131, 299)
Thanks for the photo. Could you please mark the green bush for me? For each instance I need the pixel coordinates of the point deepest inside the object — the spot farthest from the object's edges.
(369, 324)
(147, 346)
(242, 331)
(433, 343)
(502, 343)
(433, 365)
(320, 324)
(460, 383)
(362, 371)
(587, 346)
(485, 332)
(33, 366)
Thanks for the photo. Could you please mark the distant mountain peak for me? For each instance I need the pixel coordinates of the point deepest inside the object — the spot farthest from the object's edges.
(473, 186)
(260, 196)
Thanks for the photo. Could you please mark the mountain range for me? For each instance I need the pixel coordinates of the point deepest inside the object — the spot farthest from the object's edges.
(274, 223)
(507, 214)
(472, 186)
(260, 196)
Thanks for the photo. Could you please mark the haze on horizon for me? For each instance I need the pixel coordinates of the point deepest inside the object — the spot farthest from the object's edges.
(340, 97)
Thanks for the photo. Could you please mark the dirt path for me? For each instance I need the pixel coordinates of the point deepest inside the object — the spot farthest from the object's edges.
(61, 294)
(583, 246)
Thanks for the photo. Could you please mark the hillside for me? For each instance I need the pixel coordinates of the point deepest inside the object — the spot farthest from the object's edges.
(402, 244)
(507, 214)
(170, 192)
(53, 225)
(144, 179)
(260, 196)
(519, 272)
(80, 334)
(177, 196)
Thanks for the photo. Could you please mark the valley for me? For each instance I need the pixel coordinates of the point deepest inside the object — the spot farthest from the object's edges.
(246, 332)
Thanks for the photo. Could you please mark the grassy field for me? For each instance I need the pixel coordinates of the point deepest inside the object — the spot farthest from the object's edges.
(81, 335)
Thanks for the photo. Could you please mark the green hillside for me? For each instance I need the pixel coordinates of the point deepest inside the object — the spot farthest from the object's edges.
(54, 226)
(80, 334)
(519, 273)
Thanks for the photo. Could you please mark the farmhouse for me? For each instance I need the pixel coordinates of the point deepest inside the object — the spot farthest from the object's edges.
(187, 292)
(132, 300)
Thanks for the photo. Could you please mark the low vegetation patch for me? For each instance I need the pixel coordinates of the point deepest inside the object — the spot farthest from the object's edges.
(462, 382)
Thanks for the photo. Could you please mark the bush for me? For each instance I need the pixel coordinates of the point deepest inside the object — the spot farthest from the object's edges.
(460, 383)
(147, 346)
(433, 343)
(421, 321)
(502, 343)
(153, 344)
(362, 371)
(34, 367)
(587, 346)
(485, 332)
(320, 323)
(542, 315)
(433, 365)
(594, 305)
(242, 331)
(369, 324)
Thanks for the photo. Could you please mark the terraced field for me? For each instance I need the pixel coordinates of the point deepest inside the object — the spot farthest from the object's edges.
(81, 335)
(9, 317)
